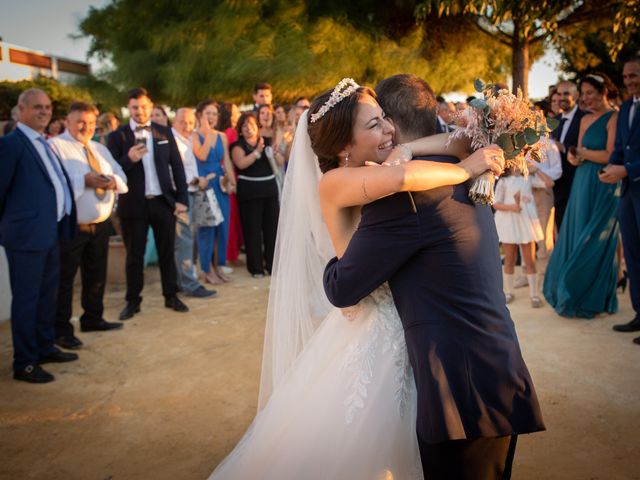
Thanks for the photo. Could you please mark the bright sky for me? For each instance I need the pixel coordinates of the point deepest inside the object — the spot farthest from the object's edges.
(47, 25)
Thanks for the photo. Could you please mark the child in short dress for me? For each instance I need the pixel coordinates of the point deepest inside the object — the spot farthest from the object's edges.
(518, 225)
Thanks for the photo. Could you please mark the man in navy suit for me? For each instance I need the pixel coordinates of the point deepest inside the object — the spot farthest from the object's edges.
(624, 165)
(566, 136)
(148, 154)
(442, 263)
(36, 210)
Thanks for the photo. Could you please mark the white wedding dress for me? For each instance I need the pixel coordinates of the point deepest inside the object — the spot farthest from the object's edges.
(345, 410)
(337, 394)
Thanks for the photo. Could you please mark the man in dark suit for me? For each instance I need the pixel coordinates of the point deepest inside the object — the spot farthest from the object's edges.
(443, 266)
(36, 209)
(566, 136)
(624, 165)
(148, 154)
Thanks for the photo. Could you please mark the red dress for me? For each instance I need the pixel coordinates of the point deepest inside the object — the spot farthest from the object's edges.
(235, 229)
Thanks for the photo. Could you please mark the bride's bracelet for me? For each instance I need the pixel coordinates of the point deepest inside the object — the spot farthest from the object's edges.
(407, 150)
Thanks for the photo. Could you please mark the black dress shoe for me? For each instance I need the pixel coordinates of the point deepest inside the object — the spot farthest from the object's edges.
(632, 326)
(636, 340)
(58, 356)
(33, 374)
(202, 292)
(130, 310)
(175, 304)
(100, 326)
(70, 342)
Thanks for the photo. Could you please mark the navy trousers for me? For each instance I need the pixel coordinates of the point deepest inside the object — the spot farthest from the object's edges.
(629, 218)
(34, 277)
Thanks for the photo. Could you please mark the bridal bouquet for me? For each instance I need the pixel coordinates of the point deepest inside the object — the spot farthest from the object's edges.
(507, 120)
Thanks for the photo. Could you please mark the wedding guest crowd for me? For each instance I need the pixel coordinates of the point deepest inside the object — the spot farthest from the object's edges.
(208, 184)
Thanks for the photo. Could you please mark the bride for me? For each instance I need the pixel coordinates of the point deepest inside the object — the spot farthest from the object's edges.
(337, 395)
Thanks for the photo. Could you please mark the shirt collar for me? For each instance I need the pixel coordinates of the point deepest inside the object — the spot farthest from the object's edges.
(179, 136)
(29, 132)
(133, 124)
(569, 115)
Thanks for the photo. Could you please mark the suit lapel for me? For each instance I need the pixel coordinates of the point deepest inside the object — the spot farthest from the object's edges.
(34, 153)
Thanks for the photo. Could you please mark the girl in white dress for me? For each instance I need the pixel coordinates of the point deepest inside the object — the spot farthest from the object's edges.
(337, 396)
(518, 225)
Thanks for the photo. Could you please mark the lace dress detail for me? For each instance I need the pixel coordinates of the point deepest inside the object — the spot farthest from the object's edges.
(386, 337)
(346, 409)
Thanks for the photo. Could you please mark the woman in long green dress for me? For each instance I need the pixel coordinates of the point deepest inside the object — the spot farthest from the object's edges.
(582, 273)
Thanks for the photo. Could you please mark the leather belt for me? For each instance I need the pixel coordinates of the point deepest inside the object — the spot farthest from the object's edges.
(151, 197)
(88, 227)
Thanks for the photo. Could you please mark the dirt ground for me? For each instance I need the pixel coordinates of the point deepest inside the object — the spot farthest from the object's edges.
(168, 396)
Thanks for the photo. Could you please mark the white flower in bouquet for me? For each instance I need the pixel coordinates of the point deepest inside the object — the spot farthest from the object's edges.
(507, 120)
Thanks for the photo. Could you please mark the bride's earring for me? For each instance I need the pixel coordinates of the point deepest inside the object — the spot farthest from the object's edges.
(346, 160)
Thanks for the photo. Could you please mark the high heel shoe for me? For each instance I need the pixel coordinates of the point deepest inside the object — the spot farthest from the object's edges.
(622, 283)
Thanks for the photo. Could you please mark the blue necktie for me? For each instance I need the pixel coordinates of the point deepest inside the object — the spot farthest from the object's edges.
(55, 163)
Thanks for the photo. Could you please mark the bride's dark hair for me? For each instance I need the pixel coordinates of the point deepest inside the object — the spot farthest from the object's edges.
(334, 130)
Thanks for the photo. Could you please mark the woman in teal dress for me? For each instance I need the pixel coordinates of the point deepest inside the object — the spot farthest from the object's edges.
(582, 273)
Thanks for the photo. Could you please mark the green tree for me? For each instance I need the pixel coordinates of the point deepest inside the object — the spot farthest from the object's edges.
(226, 46)
(61, 95)
(521, 24)
(588, 49)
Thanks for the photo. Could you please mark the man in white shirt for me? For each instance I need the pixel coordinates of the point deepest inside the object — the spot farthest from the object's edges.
(183, 125)
(566, 136)
(36, 210)
(149, 156)
(95, 179)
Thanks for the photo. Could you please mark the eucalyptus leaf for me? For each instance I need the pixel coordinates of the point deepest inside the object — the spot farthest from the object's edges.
(552, 123)
(520, 140)
(508, 155)
(479, 85)
(505, 142)
(479, 103)
(531, 136)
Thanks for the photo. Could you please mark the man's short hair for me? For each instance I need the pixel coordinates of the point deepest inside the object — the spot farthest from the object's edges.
(634, 59)
(83, 107)
(410, 102)
(136, 93)
(261, 86)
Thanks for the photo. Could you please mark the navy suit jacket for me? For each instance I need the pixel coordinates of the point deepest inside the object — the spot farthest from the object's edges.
(627, 149)
(562, 186)
(28, 215)
(443, 266)
(169, 168)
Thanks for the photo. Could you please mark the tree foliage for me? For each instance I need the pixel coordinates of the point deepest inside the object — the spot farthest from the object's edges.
(222, 48)
(520, 24)
(588, 49)
(61, 95)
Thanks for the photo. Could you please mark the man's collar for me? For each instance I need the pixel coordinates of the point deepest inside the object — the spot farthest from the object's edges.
(133, 124)
(571, 112)
(29, 132)
(176, 133)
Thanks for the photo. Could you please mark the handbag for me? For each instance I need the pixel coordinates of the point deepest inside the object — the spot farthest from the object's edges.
(206, 210)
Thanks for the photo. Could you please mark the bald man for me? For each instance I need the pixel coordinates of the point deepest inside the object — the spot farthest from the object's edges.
(36, 210)
(183, 126)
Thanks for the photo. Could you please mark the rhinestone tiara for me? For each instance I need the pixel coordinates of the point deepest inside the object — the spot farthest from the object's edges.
(342, 90)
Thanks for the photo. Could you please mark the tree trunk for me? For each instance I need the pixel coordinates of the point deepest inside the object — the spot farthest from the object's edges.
(520, 61)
